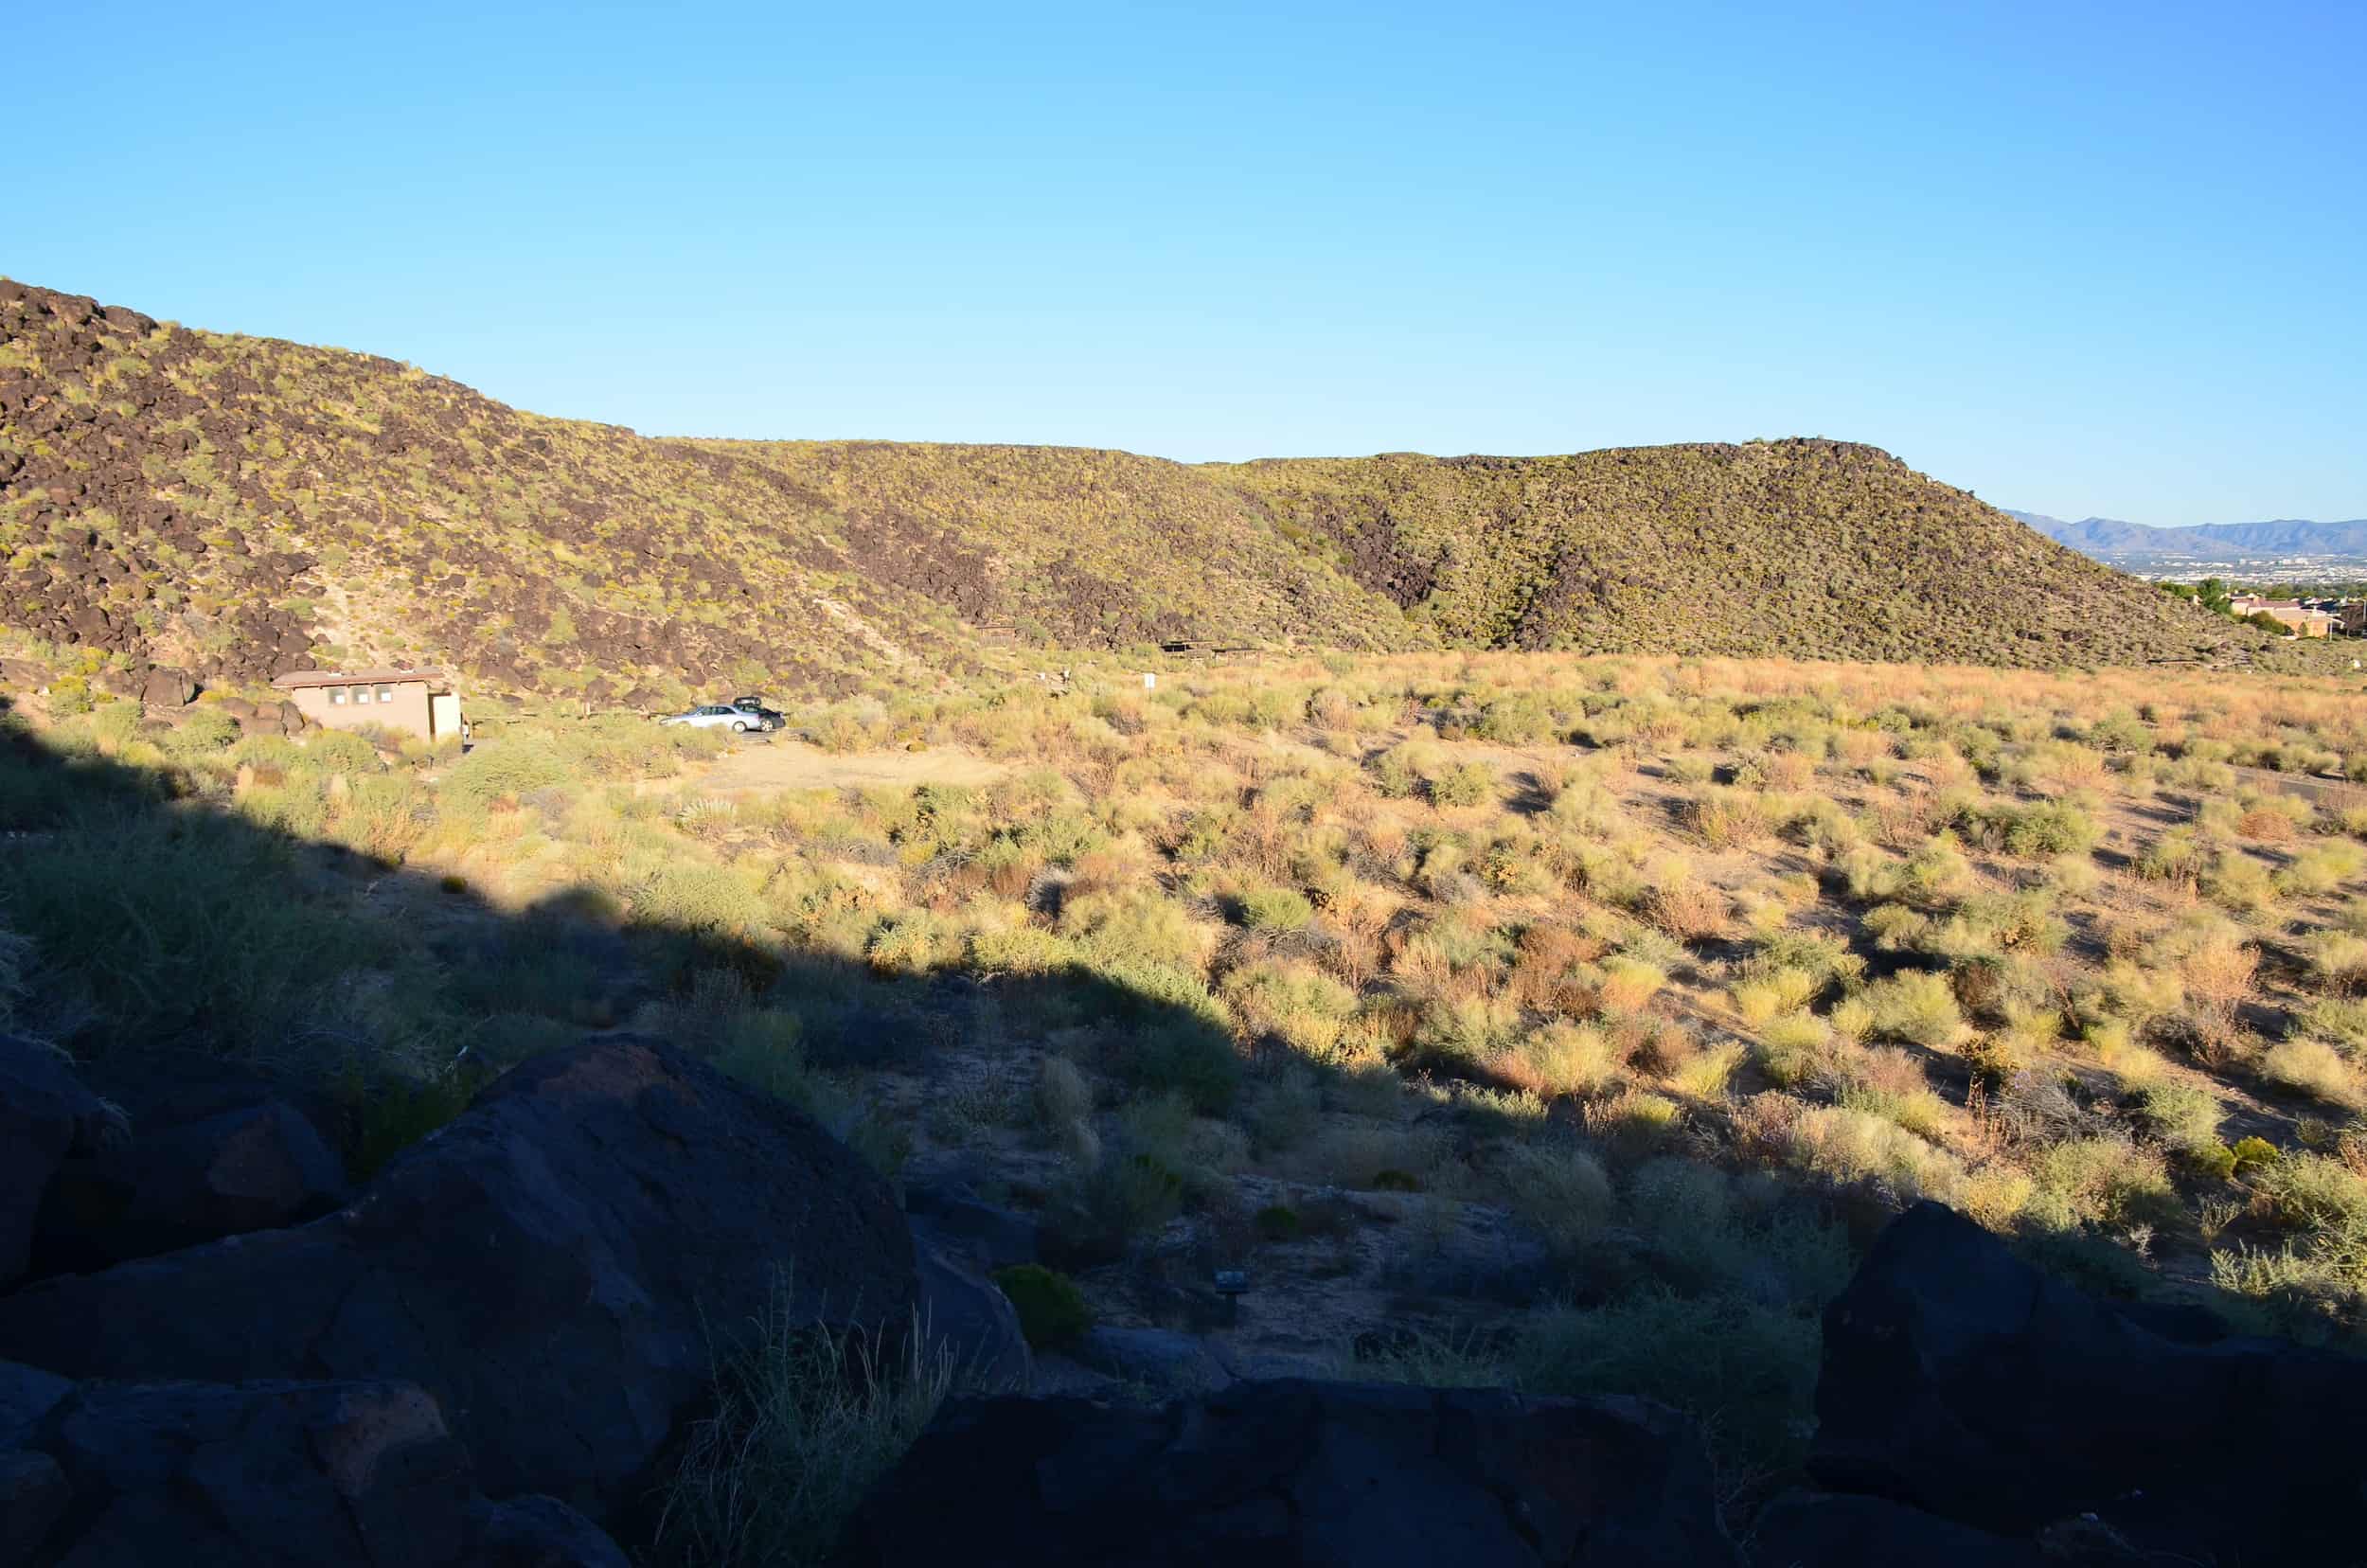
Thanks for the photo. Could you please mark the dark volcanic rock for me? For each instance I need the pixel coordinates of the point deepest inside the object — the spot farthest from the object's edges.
(166, 687)
(203, 1163)
(543, 1532)
(193, 1474)
(1816, 1530)
(1298, 1472)
(45, 1113)
(34, 1494)
(1961, 1380)
(206, 1475)
(971, 1319)
(546, 1267)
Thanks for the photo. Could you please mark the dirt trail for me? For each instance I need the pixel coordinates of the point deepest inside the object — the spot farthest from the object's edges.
(796, 765)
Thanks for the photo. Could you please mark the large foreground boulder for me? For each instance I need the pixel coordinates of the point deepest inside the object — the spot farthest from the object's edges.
(1292, 1472)
(548, 1267)
(45, 1113)
(1959, 1380)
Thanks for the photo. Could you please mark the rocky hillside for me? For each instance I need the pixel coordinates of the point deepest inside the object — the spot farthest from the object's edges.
(1803, 548)
(238, 507)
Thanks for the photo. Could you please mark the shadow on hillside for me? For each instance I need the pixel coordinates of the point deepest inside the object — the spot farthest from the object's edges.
(155, 930)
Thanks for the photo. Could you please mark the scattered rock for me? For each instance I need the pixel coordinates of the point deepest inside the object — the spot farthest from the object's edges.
(1300, 1472)
(168, 687)
(967, 1226)
(547, 1267)
(1959, 1379)
(45, 1113)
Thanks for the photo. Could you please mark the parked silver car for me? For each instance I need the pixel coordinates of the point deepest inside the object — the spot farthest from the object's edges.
(716, 716)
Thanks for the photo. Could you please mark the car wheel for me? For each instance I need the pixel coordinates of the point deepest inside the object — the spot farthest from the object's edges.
(738, 728)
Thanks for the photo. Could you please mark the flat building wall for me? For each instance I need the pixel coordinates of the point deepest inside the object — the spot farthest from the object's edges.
(403, 706)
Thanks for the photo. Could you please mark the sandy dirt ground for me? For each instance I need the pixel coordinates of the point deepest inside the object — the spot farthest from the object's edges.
(763, 767)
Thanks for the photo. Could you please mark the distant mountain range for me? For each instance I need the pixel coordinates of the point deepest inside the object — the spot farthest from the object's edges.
(2284, 536)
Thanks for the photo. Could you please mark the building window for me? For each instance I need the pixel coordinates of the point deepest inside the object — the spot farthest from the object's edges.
(337, 695)
(360, 694)
(385, 694)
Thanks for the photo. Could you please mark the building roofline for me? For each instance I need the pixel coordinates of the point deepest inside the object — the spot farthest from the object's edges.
(298, 679)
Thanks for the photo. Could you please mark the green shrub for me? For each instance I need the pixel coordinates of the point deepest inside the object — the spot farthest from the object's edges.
(1465, 784)
(804, 1424)
(1275, 909)
(203, 732)
(1051, 1311)
(501, 771)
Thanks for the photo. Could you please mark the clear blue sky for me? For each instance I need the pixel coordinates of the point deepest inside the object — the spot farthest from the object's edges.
(2078, 259)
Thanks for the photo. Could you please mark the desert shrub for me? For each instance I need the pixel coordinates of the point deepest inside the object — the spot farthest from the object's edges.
(203, 732)
(1136, 925)
(2314, 1068)
(2237, 881)
(1705, 1077)
(1773, 992)
(1743, 1366)
(1628, 984)
(2185, 1117)
(1514, 722)
(2104, 1181)
(1917, 1006)
(2322, 868)
(804, 1423)
(2340, 1019)
(1564, 1058)
(1294, 1001)
(1465, 784)
(1560, 1189)
(2175, 854)
(1061, 1094)
(1276, 909)
(497, 772)
(1848, 1144)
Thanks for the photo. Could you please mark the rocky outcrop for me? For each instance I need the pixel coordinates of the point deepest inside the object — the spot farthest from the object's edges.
(45, 1115)
(546, 1269)
(1960, 1382)
(1300, 1472)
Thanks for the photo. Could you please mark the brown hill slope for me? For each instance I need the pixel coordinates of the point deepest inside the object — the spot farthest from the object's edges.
(243, 505)
(1805, 548)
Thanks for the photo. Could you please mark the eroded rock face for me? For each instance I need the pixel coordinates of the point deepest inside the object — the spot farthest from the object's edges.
(547, 1268)
(1959, 1380)
(1300, 1472)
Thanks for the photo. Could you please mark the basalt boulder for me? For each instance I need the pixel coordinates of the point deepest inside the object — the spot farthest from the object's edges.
(206, 1475)
(1292, 1472)
(1959, 1380)
(548, 1267)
